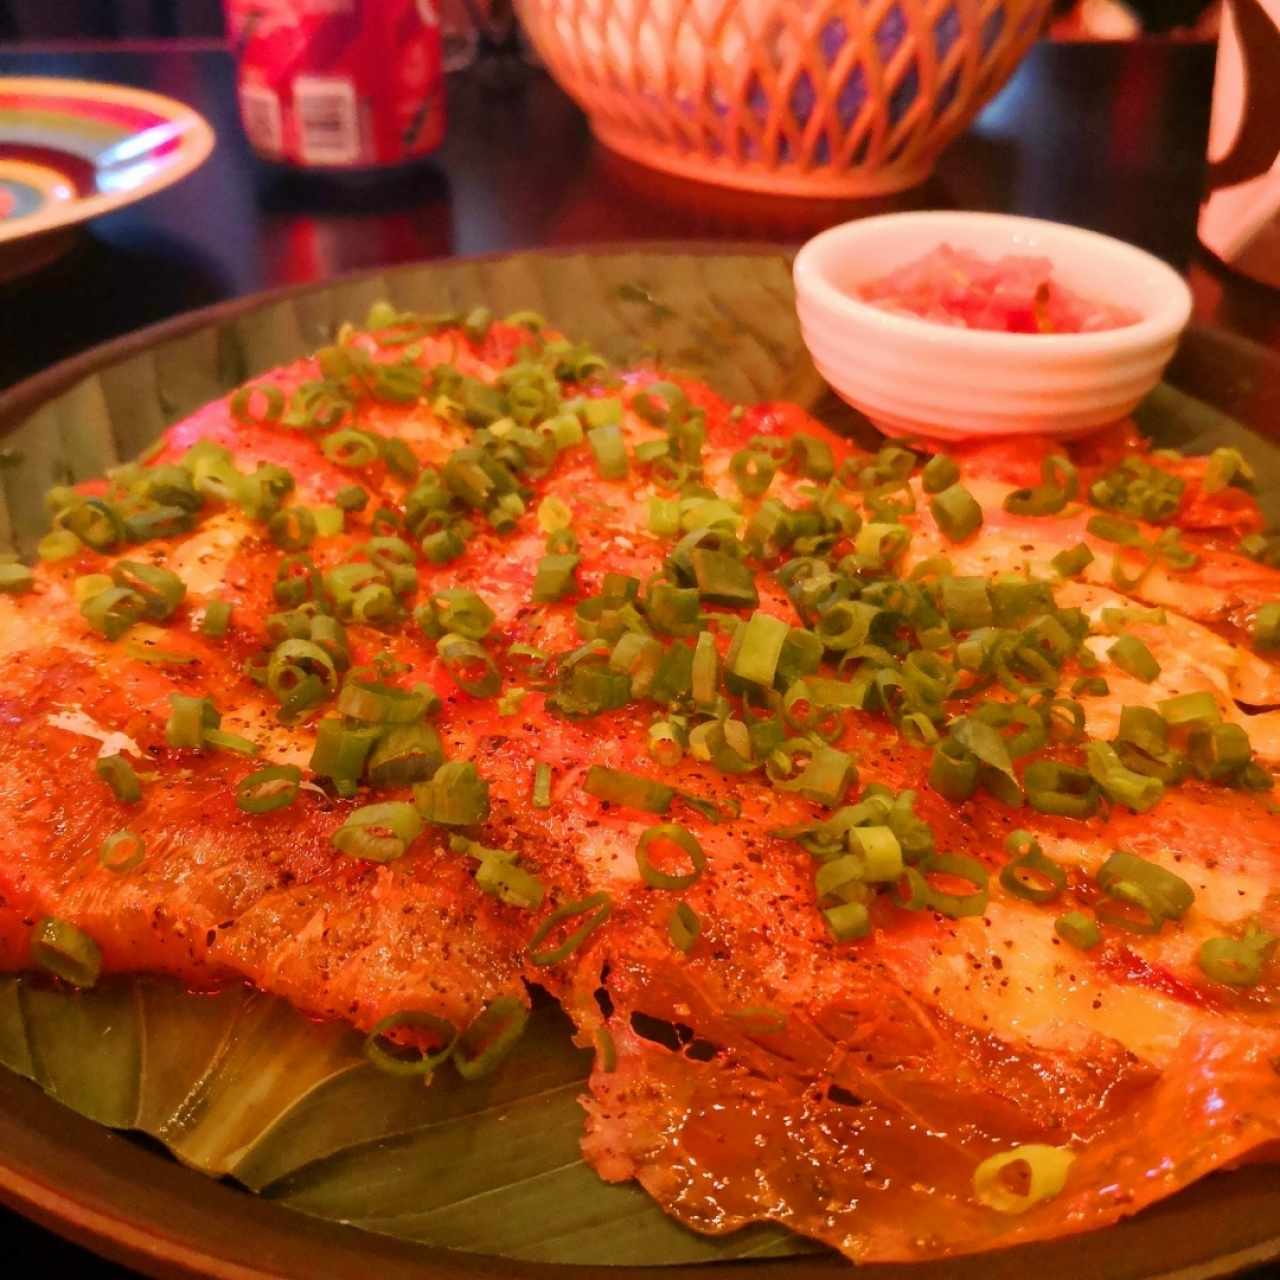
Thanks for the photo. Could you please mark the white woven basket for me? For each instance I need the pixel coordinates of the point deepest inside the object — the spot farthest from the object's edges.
(803, 97)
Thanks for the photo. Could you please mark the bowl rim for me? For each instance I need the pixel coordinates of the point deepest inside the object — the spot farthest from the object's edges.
(811, 279)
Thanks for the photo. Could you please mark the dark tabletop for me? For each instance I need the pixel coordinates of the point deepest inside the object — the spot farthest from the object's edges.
(1106, 136)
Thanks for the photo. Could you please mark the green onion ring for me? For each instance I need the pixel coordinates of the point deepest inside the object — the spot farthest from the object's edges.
(684, 839)
(67, 952)
(378, 832)
(594, 910)
(393, 1064)
(269, 789)
(122, 851)
(684, 927)
(488, 1040)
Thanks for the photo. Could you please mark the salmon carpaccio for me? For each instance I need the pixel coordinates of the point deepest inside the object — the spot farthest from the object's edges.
(846, 1089)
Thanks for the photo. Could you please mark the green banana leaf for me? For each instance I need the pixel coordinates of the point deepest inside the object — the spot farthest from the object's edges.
(237, 1084)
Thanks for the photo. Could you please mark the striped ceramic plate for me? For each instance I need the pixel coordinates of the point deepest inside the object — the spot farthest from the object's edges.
(72, 149)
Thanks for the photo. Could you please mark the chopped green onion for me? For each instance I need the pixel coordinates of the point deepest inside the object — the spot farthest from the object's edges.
(266, 790)
(490, 1038)
(60, 544)
(554, 577)
(1266, 627)
(499, 876)
(256, 404)
(470, 665)
(1073, 560)
(726, 744)
(1237, 962)
(957, 513)
(1031, 875)
(1138, 488)
(477, 323)
(217, 618)
(1120, 784)
(463, 612)
(752, 472)
(160, 590)
(351, 497)
(811, 457)
(824, 779)
(554, 514)
(542, 786)
(374, 604)
(405, 753)
(94, 522)
(965, 602)
(377, 703)
(846, 624)
(189, 721)
(225, 741)
(293, 661)
(878, 545)
(615, 786)
(1133, 881)
(351, 448)
(960, 867)
(113, 611)
(1115, 620)
(593, 911)
(1226, 466)
(394, 1060)
(292, 528)
(1218, 751)
(1047, 1168)
(65, 951)
(16, 578)
(723, 580)
(296, 581)
(122, 851)
(90, 584)
(939, 473)
(379, 832)
(1060, 789)
(1091, 686)
(340, 752)
(455, 797)
(684, 839)
(564, 429)
(443, 546)
(706, 670)
(1058, 485)
(757, 649)
(610, 451)
(665, 744)
(118, 774)
(606, 1051)
(953, 770)
(1133, 657)
(683, 927)
(603, 412)
(848, 921)
(1200, 708)
(1114, 529)
(1078, 929)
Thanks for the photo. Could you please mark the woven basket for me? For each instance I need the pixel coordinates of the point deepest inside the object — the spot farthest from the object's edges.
(801, 97)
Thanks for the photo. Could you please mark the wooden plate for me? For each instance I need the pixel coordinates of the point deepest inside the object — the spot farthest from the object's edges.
(129, 1200)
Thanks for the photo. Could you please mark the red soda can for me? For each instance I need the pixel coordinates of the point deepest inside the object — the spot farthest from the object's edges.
(339, 84)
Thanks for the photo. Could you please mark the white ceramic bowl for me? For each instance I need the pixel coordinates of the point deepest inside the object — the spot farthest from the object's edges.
(914, 377)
